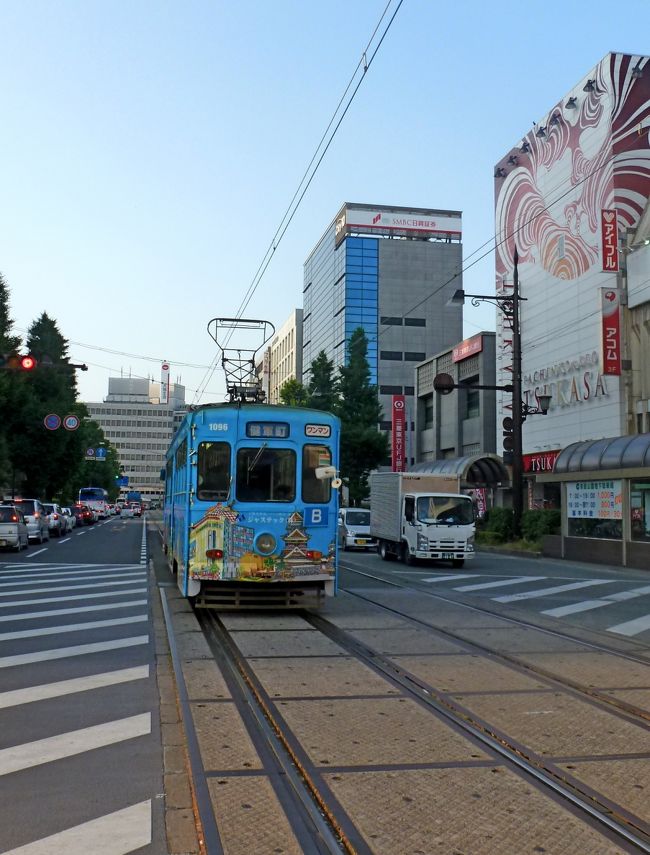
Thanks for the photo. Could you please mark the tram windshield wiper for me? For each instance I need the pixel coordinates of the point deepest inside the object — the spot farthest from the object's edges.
(252, 465)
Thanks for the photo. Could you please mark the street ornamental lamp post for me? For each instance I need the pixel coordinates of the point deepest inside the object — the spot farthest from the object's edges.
(508, 304)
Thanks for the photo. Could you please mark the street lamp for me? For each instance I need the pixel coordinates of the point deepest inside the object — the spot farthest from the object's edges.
(508, 304)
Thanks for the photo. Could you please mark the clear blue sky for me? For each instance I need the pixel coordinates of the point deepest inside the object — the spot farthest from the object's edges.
(150, 149)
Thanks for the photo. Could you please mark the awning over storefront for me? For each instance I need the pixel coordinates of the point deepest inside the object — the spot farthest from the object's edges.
(600, 455)
(479, 470)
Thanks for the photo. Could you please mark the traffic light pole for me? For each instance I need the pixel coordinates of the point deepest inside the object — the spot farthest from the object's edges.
(517, 408)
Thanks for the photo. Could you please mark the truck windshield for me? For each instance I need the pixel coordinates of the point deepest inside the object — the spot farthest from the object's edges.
(445, 510)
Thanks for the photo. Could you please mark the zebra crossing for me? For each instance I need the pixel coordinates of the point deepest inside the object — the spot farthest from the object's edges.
(535, 589)
(79, 750)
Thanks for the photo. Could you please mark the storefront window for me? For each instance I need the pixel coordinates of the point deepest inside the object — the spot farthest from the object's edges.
(640, 509)
(595, 509)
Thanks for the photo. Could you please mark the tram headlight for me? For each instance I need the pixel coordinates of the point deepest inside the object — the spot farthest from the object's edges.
(265, 544)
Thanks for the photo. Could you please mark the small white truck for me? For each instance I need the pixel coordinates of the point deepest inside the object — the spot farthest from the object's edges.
(421, 516)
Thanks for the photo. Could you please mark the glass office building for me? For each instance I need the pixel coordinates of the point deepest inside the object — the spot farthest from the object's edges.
(391, 271)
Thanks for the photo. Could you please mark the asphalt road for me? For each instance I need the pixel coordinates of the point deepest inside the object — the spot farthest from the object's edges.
(80, 753)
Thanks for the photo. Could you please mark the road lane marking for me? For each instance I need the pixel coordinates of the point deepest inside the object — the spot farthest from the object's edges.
(454, 576)
(52, 748)
(516, 581)
(76, 650)
(81, 610)
(38, 552)
(587, 605)
(73, 627)
(17, 697)
(75, 597)
(89, 580)
(631, 627)
(546, 592)
(141, 577)
(115, 833)
(65, 540)
(71, 570)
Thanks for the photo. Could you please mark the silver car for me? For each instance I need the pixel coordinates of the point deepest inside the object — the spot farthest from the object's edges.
(13, 530)
(55, 519)
(35, 518)
(354, 529)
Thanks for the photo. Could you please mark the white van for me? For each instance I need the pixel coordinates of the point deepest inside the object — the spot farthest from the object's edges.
(354, 529)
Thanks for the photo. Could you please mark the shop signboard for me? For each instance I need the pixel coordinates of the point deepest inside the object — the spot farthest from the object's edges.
(601, 500)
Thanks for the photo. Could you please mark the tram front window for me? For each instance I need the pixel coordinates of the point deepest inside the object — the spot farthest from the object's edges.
(266, 474)
(213, 478)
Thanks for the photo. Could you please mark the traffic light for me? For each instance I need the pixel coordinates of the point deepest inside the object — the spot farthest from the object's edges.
(14, 362)
(508, 439)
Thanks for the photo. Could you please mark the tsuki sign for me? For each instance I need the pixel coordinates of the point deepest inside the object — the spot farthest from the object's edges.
(398, 457)
(611, 330)
(542, 461)
(609, 235)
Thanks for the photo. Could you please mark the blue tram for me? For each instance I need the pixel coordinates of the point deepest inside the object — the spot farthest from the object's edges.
(251, 504)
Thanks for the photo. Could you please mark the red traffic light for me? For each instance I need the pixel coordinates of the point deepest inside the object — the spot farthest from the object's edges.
(27, 363)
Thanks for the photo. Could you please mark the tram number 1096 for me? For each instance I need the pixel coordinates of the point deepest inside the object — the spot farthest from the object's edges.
(218, 426)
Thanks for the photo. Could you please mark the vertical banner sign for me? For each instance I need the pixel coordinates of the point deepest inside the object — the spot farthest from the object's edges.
(610, 240)
(164, 383)
(399, 433)
(611, 330)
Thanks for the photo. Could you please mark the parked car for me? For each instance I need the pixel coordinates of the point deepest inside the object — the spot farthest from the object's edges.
(13, 529)
(70, 519)
(35, 518)
(83, 515)
(57, 524)
(354, 529)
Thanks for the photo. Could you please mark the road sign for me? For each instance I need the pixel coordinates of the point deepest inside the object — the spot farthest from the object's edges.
(52, 421)
(123, 481)
(100, 453)
(90, 453)
(71, 422)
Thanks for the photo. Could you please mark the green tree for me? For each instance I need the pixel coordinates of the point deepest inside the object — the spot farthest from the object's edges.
(293, 393)
(322, 388)
(363, 447)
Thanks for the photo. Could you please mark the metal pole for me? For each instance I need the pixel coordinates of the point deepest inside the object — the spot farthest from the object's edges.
(517, 414)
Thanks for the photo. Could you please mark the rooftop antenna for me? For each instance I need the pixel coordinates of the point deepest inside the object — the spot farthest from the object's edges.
(238, 363)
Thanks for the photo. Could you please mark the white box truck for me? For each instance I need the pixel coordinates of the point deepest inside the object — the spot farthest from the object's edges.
(421, 516)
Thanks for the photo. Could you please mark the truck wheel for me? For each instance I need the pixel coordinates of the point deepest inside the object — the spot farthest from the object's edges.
(382, 549)
(458, 562)
(407, 558)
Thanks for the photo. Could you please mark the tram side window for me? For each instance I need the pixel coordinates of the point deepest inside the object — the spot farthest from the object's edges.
(213, 478)
(266, 474)
(314, 490)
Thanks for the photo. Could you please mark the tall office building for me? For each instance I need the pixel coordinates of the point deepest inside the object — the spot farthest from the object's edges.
(139, 424)
(285, 354)
(391, 271)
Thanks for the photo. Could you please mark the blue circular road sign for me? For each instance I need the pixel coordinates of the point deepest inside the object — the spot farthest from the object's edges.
(52, 421)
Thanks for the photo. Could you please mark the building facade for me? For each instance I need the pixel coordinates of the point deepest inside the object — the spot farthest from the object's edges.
(285, 355)
(572, 199)
(390, 270)
(140, 428)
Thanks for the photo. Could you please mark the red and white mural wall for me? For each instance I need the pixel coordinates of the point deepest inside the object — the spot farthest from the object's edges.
(565, 196)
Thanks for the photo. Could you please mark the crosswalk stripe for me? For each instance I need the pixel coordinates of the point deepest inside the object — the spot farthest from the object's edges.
(81, 583)
(22, 592)
(516, 581)
(73, 570)
(76, 650)
(52, 748)
(452, 576)
(17, 697)
(81, 610)
(547, 592)
(609, 600)
(116, 833)
(90, 580)
(75, 597)
(631, 627)
(73, 627)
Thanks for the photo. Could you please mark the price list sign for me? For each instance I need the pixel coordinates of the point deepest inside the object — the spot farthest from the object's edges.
(599, 500)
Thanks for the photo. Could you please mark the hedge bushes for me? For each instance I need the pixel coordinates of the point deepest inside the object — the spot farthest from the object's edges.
(535, 524)
(498, 525)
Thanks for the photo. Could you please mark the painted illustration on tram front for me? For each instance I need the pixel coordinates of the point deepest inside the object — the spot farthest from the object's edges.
(222, 547)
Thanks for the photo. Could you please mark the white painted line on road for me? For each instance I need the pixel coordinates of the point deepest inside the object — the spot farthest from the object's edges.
(631, 627)
(519, 580)
(74, 597)
(629, 595)
(454, 576)
(38, 551)
(140, 577)
(73, 627)
(79, 533)
(82, 581)
(17, 697)
(81, 610)
(70, 570)
(65, 540)
(53, 748)
(76, 650)
(116, 833)
(609, 600)
(547, 592)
